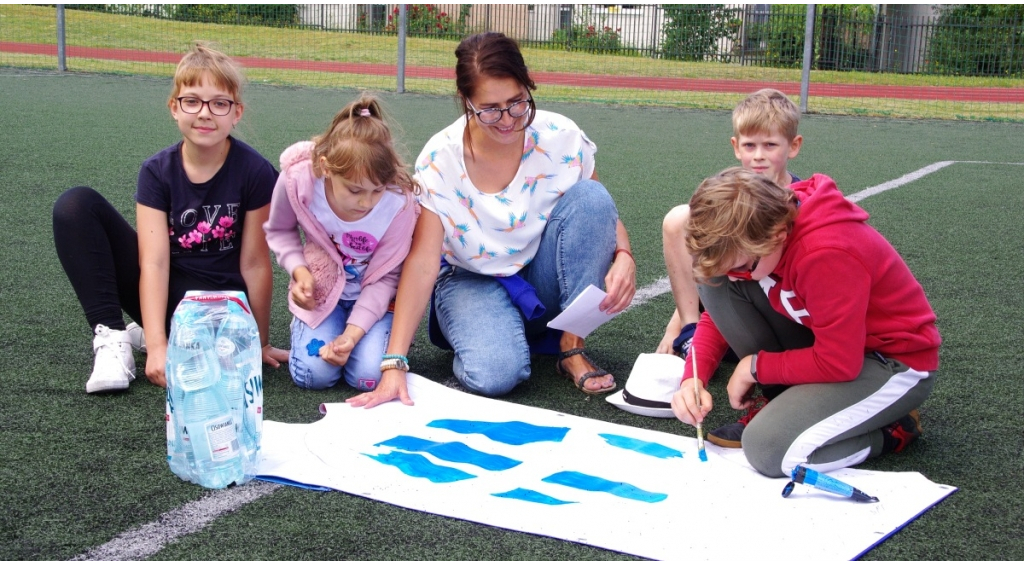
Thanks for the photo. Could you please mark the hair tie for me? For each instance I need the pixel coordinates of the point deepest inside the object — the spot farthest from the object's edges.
(365, 112)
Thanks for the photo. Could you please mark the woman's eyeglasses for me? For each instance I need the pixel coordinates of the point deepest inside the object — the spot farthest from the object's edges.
(218, 106)
(745, 274)
(493, 115)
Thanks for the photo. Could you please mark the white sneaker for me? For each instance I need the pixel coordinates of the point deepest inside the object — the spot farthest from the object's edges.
(114, 367)
(138, 336)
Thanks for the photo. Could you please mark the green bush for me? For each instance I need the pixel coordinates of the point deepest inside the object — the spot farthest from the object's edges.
(588, 33)
(782, 37)
(978, 40)
(274, 15)
(692, 31)
(428, 20)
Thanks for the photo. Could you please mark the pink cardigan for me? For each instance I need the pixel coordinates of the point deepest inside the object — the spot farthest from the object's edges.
(289, 210)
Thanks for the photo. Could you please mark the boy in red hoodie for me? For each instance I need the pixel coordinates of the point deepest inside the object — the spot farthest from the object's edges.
(771, 264)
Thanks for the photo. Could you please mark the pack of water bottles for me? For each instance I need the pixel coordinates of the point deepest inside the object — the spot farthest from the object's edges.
(214, 390)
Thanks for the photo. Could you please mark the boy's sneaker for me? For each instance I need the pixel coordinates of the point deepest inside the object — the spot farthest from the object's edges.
(728, 436)
(114, 367)
(896, 436)
(137, 335)
(681, 344)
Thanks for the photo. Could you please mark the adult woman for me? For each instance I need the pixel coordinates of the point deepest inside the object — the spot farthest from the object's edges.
(512, 204)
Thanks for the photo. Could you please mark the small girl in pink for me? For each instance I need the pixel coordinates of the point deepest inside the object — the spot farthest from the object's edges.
(351, 195)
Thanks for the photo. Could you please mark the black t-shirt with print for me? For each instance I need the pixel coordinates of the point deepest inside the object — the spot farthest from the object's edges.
(206, 220)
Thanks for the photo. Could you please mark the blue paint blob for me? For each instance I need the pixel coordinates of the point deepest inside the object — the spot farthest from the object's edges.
(417, 466)
(643, 447)
(589, 483)
(452, 452)
(532, 496)
(313, 348)
(703, 455)
(511, 432)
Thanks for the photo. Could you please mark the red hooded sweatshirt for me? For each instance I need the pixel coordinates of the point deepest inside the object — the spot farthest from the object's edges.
(839, 277)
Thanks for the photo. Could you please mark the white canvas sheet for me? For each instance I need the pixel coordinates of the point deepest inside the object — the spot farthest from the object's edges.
(677, 507)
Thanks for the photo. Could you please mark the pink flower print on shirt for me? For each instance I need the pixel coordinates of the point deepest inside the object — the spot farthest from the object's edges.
(223, 229)
(193, 237)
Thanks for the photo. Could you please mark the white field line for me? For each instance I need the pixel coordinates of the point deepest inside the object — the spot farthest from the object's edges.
(148, 539)
(662, 286)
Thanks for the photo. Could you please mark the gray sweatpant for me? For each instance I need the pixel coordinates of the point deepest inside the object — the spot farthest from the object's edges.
(822, 426)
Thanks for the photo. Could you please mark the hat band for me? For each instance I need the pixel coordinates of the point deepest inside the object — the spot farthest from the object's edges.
(633, 400)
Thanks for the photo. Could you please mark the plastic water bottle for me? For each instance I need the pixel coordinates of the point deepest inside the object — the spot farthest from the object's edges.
(179, 446)
(189, 356)
(238, 349)
(214, 401)
(211, 430)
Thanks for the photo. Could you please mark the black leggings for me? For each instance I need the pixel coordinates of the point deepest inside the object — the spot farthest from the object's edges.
(99, 251)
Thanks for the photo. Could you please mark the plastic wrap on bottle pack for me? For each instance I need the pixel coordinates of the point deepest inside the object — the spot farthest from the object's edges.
(214, 407)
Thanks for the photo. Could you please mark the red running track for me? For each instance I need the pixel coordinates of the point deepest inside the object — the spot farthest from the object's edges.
(948, 93)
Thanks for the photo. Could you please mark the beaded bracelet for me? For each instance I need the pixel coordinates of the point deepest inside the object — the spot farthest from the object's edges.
(617, 251)
(395, 357)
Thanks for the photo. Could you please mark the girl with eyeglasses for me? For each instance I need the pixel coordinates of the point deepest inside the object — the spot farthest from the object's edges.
(200, 208)
(514, 226)
(350, 195)
(817, 303)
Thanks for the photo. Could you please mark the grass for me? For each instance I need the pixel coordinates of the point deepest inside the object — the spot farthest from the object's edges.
(79, 470)
(36, 24)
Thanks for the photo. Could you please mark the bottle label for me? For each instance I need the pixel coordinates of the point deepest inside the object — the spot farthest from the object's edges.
(223, 440)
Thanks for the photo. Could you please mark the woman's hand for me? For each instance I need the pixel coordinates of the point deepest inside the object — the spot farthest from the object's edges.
(684, 403)
(274, 356)
(620, 284)
(392, 386)
(302, 289)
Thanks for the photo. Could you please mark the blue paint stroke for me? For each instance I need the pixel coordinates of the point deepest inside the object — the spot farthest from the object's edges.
(511, 432)
(532, 496)
(643, 447)
(452, 452)
(417, 466)
(595, 484)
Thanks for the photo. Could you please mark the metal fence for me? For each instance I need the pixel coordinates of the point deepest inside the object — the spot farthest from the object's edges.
(897, 60)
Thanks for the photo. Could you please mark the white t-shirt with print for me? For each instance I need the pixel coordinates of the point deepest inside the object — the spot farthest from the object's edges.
(498, 234)
(355, 240)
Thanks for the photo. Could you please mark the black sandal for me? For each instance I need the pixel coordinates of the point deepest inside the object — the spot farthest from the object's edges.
(581, 384)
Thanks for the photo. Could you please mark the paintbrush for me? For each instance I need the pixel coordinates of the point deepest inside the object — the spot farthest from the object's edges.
(696, 392)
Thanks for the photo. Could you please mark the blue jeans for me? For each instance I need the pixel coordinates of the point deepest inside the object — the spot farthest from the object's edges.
(476, 315)
(362, 371)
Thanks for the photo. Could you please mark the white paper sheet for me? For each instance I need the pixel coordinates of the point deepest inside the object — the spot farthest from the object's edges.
(720, 509)
(584, 314)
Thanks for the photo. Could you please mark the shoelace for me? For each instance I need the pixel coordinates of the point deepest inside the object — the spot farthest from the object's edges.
(759, 403)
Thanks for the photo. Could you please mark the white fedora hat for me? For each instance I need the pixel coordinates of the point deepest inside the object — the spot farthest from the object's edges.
(651, 383)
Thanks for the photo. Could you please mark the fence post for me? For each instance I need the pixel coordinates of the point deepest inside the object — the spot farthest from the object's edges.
(805, 76)
(400, 72)
(62, 65)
